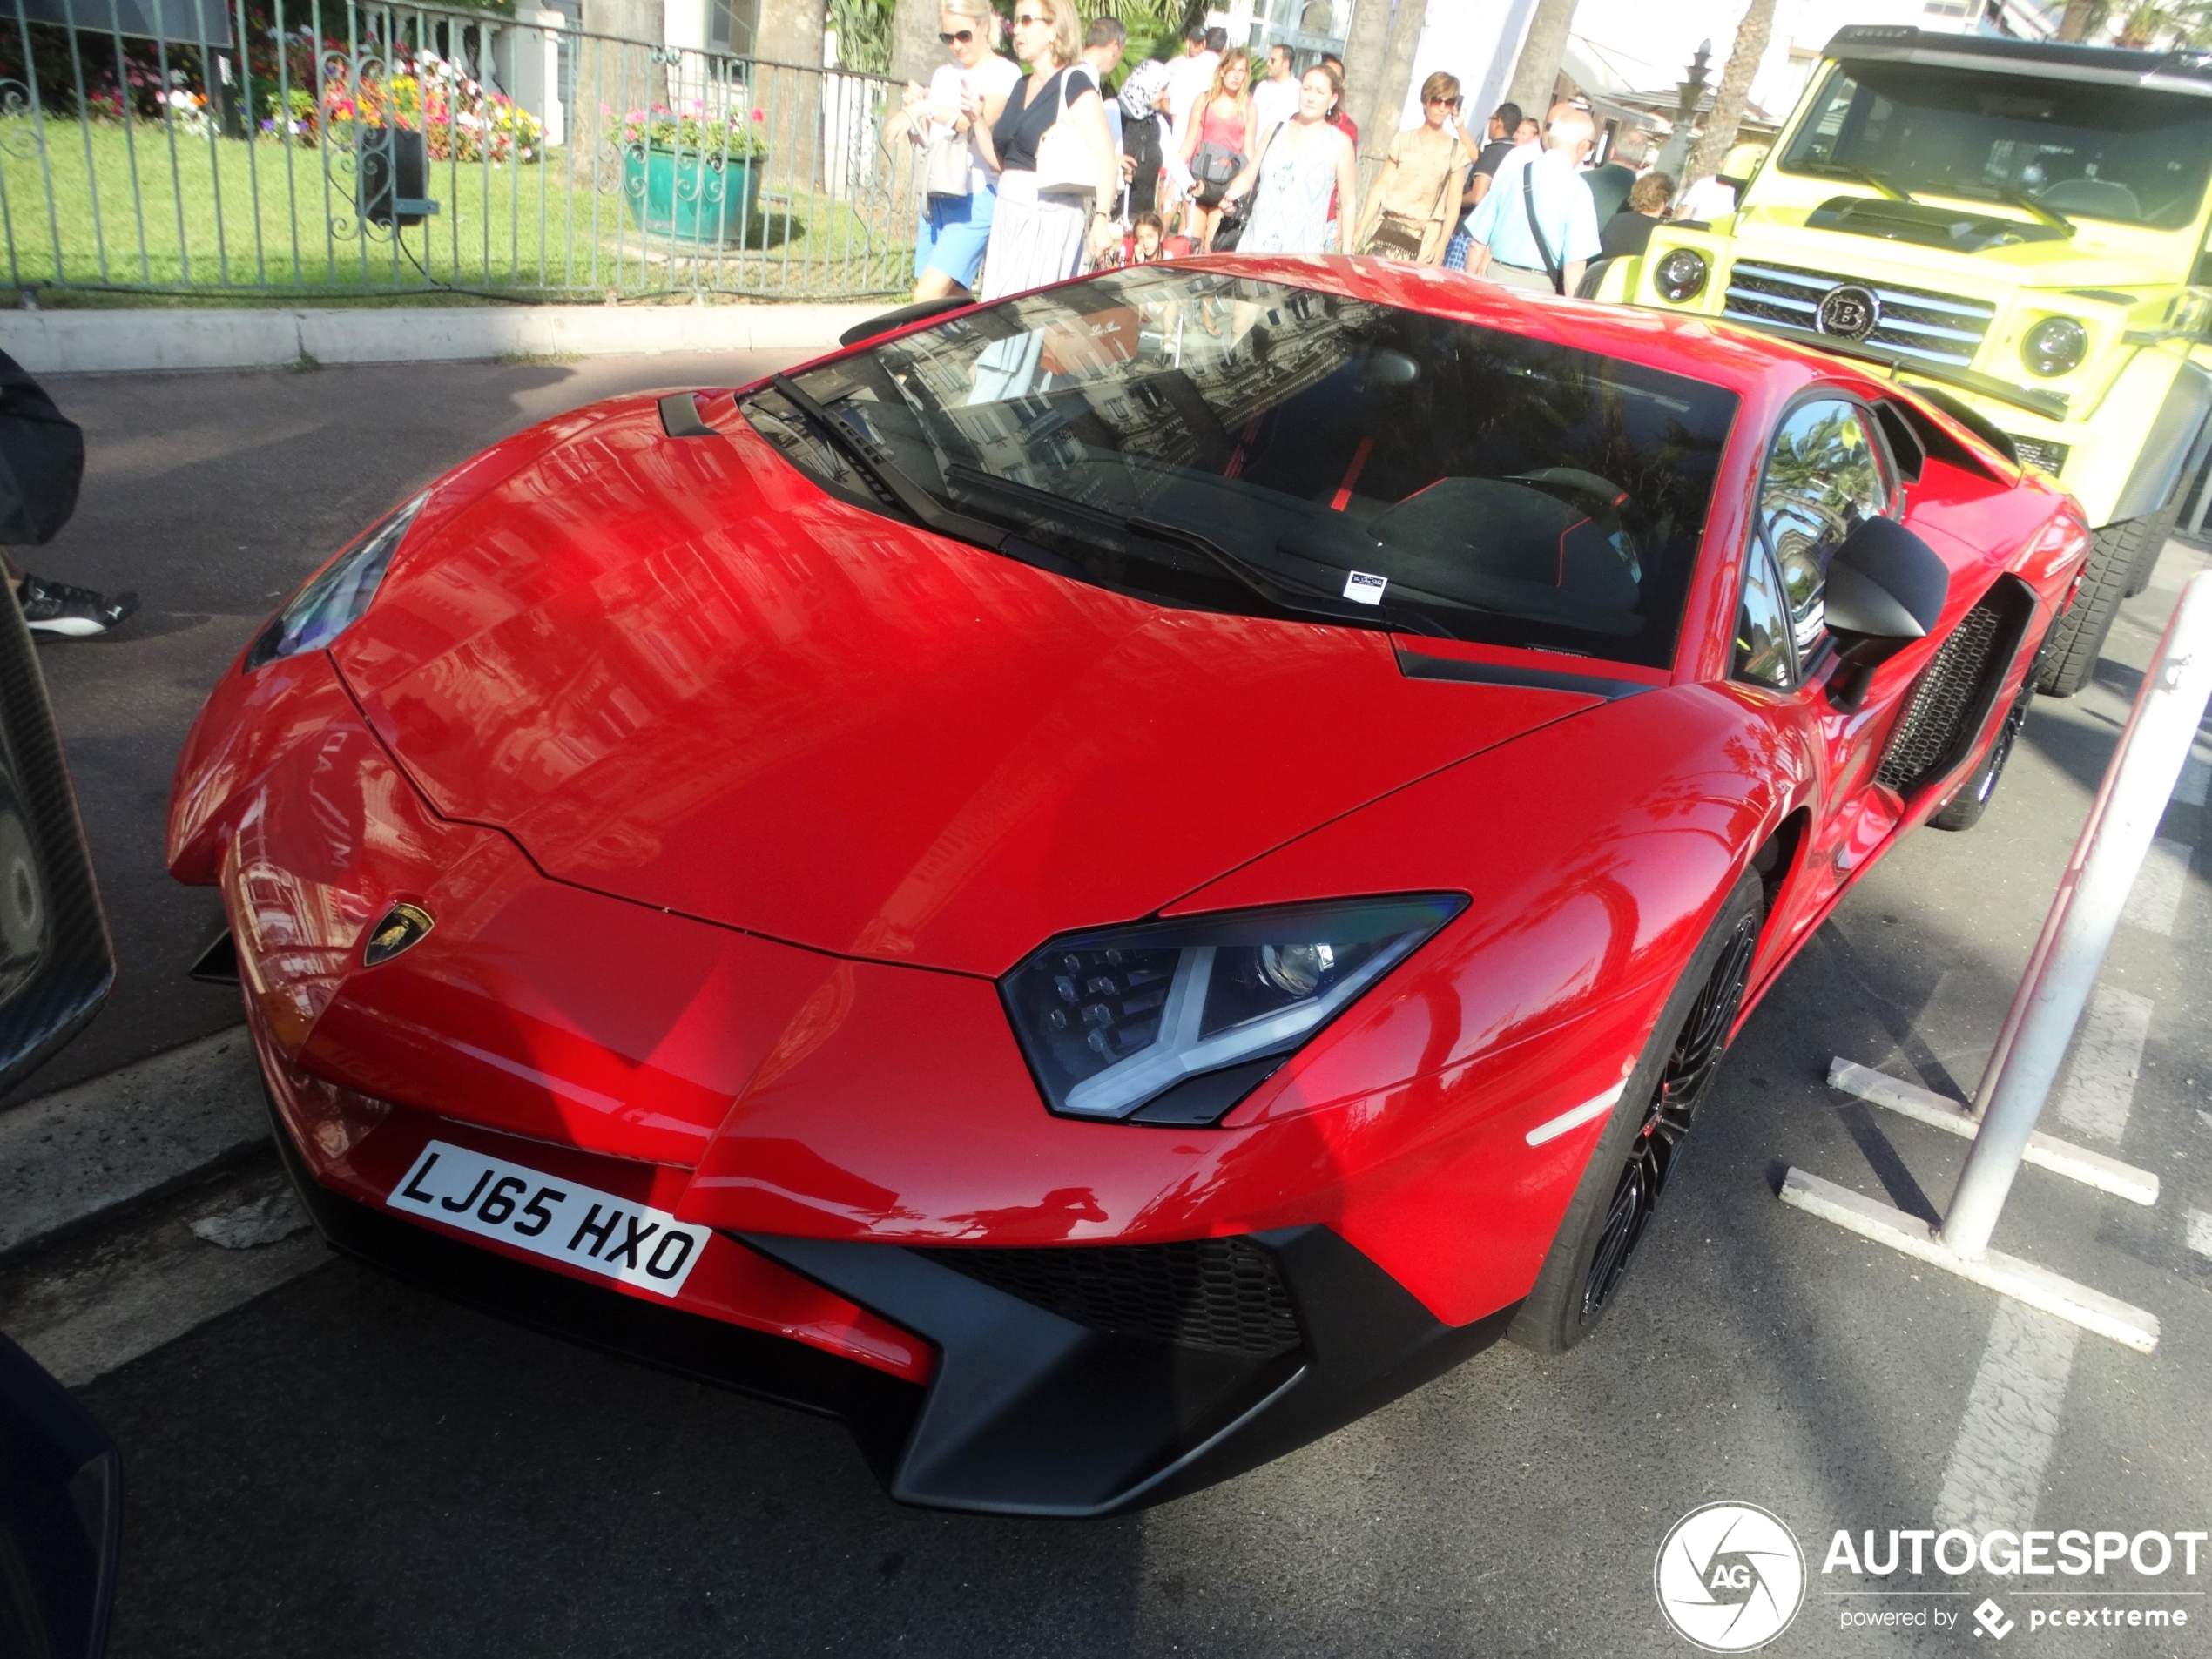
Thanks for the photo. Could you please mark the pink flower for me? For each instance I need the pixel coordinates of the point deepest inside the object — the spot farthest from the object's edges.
(759, 115)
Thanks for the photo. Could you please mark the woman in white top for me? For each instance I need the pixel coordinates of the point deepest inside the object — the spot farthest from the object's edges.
(1301, 166)
(1058, 174)
(955, 226)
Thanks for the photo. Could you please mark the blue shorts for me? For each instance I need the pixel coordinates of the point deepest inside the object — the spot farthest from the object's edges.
(952, 236)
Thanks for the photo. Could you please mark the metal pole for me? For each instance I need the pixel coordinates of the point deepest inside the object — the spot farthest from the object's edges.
(2077, 932)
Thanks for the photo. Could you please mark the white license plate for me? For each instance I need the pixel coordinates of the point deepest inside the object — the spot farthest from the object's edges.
(562, 1220)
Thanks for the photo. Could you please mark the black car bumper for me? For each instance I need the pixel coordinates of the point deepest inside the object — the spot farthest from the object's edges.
(1080, 1380)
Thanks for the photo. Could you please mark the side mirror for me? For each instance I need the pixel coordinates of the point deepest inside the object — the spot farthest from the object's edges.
(55, 962)
(888, 322)
(1886, 590)
(61, 1517)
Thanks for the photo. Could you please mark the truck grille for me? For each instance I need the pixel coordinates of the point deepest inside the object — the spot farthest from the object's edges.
(1917, 325)
(1219, 1293)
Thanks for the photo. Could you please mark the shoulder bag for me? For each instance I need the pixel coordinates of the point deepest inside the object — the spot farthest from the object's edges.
(1065, 164)
(946, 166)
(1552, 266)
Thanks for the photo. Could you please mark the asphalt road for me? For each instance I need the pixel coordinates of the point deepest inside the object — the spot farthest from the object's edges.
(213, 494)
(346, 1466)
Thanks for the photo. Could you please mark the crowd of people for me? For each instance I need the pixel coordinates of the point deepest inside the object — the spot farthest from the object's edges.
(1032, 177)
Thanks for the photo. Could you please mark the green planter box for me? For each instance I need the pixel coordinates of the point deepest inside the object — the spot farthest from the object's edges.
(688, 197)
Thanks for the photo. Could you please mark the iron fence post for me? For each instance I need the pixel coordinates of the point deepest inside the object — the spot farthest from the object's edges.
(2063, 966)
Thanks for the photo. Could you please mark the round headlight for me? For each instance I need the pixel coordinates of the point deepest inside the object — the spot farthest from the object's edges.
(1681, 274)
(2054, 345)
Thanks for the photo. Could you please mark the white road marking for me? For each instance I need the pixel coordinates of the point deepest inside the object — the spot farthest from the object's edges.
(2011, 1428)
(137, 1312)
(2199, 1231)
(2196, 772)
(2100, 1086)
(2156, 900)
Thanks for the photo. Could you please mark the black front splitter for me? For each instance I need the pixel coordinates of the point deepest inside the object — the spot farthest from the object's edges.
(1030, 1412)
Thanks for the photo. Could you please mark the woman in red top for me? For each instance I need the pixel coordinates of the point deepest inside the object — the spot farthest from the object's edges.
(1214, 145)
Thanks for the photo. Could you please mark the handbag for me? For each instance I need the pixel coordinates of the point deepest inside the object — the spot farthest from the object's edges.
(1396, 237)
(946, 167)
(1065, 164)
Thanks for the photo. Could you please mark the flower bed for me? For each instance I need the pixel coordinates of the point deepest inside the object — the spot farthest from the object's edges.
(458, 118)
(726, 132)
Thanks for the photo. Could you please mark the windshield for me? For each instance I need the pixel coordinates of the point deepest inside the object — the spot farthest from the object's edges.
(2075, 150)
(1218, 443)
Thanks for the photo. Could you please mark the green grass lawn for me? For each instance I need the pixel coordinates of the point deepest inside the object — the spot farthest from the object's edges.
(227, 213)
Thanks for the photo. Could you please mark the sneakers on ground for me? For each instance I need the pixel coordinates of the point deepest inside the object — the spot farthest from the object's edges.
(75, 613)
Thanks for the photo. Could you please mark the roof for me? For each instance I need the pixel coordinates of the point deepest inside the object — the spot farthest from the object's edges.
(2178, 71)
(1686, 343)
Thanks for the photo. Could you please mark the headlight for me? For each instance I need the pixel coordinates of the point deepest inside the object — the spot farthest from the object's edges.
(1680, 274)
(1176, 1022)
(335, 600)
(2054, 345)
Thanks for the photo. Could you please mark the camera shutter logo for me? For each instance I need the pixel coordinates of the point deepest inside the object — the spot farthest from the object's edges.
(1848, 313)
(1730, 1577)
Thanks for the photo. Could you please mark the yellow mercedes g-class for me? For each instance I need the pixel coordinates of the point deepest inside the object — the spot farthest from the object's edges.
(2019, 225)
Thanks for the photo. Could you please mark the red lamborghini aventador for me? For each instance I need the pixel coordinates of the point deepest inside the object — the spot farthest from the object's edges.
(1099, 884)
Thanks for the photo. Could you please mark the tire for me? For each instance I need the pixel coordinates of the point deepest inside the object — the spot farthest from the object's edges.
(1641, 1148)
(2156, 528)
(2077, 637)
(1963, 810)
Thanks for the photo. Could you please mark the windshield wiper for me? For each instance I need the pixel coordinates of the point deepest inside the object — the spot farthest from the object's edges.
(924, 508)
(1282, 591)
(1873, 180)
(2034, 209)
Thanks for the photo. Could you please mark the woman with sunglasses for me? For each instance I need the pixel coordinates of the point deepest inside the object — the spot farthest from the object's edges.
(1416, 201)
(1058, 174)
(956, 224)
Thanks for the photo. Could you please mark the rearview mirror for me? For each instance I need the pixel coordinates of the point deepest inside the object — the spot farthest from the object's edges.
(1886, 590)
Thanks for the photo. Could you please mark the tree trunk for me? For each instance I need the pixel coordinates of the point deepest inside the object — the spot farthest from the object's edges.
(1751, 38)
(915, 51)
(1380, 115)
(1365, 48)
(613, 75)
(791, 99)
(1535, 75)
(2075, 24)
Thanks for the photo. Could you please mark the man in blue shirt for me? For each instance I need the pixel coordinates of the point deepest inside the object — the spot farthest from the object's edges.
(1538, 216)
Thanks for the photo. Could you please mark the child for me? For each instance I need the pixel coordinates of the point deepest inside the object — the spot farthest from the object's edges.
(1145, 233)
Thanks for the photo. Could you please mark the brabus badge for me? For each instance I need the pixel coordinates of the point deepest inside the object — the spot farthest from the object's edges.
(1848, 313)
(404, 926)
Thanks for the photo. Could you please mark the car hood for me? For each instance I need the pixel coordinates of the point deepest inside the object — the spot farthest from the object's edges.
(677, 672)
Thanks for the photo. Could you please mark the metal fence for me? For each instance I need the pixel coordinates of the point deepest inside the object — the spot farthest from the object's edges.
(294, 147)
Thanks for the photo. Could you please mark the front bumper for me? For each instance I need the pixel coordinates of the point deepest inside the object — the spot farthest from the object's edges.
(1076, 1380)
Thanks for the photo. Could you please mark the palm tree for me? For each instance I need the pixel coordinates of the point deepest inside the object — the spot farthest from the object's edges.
(1535, 74)
(1751, 38)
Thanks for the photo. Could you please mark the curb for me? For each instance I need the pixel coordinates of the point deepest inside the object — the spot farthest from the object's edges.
(72, 1157)
(109, 342)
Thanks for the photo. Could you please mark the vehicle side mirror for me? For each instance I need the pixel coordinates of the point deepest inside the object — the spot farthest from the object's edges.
(1886, 590)
(61, 1514)
(889, 321)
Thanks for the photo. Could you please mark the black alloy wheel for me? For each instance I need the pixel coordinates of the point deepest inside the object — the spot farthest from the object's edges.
(1658, 1144)
(1963, 810)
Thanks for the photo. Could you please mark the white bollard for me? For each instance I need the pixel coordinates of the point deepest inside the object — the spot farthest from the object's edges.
(2077, 932)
